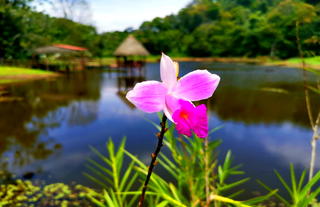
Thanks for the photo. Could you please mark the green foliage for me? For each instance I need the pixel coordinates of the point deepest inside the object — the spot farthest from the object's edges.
(202, 28)
(11, 27)
(196, 179)
(113, 176)
(23, 30)
(109, 41)
(283, 19)
(301, 194)
(234, 28)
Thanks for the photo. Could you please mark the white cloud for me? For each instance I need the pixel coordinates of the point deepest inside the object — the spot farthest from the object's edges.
(293, 147)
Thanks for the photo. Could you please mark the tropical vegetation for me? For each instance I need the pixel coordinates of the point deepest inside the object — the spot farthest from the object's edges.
(222, 28)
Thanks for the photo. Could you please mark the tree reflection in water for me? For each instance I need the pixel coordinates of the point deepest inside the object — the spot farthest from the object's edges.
(247, 93)
(42, 106)
(126, 83)
(258, 106)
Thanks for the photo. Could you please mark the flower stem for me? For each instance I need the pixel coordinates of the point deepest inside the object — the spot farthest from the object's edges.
(154, 156)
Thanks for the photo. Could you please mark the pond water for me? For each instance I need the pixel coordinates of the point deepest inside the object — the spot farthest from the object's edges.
(47, 126)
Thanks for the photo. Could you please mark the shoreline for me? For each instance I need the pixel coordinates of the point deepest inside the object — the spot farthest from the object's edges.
(16, 75)
(266, 61)
(219, 59)
(13, 79)
(259, 61)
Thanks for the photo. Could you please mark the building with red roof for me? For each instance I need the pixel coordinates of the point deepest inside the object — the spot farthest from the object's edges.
(60, 57)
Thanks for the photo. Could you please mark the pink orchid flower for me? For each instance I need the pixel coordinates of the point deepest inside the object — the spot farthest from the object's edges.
(190, 118)
(155, 96)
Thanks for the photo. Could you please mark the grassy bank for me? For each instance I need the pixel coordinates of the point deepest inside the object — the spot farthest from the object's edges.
(18, 74)
(310, 62)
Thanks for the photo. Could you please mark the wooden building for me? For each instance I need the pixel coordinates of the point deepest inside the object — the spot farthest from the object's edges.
(60, 57)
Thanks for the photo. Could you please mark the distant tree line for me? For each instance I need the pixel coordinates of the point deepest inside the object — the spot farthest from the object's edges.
(22, 30)
(227, 28)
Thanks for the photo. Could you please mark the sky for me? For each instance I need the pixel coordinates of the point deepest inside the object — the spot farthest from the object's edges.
(112, 15)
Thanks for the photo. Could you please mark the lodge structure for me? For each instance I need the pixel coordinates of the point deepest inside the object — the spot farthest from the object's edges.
(60, 57)
(131, 53)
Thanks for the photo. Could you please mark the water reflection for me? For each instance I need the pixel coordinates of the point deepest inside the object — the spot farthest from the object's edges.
(125, 83)
(49, 127)
(253, 106)
(255, 94)
(38, 108)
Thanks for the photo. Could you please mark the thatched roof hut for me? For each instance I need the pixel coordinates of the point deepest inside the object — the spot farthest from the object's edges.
(131, 53)
(131, 47)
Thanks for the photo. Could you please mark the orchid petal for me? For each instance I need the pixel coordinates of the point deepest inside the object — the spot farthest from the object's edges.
(176, 67)
(148, 96)
(196, 85)
(167, 113)
(183, 128)
(184, 117)
(168, 72)
(173, 104)
(200, 126)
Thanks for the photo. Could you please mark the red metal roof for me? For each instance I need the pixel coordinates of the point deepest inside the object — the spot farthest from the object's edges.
(70, 47)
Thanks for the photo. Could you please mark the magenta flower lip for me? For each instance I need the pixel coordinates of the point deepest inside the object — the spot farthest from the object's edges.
(191, 119)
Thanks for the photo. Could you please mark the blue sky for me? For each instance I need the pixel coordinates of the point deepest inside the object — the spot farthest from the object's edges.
(111, 15)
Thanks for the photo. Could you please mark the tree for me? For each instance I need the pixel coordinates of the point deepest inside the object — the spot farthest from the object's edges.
(75, 10)
(11, 15)
(283, 19)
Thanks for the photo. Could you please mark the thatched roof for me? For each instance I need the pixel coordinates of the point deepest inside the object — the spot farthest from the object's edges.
(131, 46)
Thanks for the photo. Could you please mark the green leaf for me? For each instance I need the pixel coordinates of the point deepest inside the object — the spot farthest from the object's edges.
(293, 181)
(99, 166)
(215, 129)
(162, 204)
(135, 159)
(125, 177)
(308, 200)
(214, 144)
(95, 180)
(169, 166)
(276, 193)
(260, 198)
(314, 89)
(174, 191)
(302, 177)
(101, 175)
(309, 185)
(101, 156)
(157, 126)
(228, 200)
(284, 183)
(234, 184)
(233, 195)
(109, 200)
